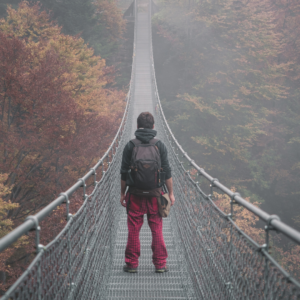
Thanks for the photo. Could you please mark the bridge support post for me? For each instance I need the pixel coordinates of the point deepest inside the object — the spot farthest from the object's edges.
(84, 187)
(230, 217)
(39, 248)
(67, 201)
(71, 284)
(95, 175)
(102, 164)
(212, 185)
(266, 248)
(69, 216)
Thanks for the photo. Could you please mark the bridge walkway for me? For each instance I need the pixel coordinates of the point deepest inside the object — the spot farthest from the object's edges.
(146, 284)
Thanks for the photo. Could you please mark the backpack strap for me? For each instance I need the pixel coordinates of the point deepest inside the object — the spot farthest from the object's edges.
(138, 142)
(153, 141)
(135, 142)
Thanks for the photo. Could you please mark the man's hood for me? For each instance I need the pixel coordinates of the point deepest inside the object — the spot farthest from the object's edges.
(145, 135)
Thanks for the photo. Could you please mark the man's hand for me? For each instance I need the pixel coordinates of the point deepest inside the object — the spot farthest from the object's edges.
(172, 198)
(169, 184)
(123, 189)
(122, 200)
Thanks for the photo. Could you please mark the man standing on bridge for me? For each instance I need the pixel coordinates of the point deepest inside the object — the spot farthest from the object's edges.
(144, 167)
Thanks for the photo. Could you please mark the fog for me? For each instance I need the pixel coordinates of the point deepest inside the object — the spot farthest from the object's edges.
(228, 78)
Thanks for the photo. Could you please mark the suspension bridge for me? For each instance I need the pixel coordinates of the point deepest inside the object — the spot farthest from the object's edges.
(209, 256)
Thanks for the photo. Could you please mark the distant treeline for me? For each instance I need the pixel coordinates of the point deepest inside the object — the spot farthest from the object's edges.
(59, 110)
(229, 79)
(99, 22)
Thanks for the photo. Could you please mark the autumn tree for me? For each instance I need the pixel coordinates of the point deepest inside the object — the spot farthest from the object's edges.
(236, 107)
(88, 75)
(243, 218)
(290, 260)
(81, 75)
(233, 88)
(287, 23)
(6, 225)
(58, 114)
(99, 23)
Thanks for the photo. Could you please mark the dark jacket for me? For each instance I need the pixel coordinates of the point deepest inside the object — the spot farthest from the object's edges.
(145, 135)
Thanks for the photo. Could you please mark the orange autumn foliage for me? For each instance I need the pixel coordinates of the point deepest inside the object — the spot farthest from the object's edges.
(6, 225)
(59, 112)
(290, 259)
(88, 75)
(243, 218)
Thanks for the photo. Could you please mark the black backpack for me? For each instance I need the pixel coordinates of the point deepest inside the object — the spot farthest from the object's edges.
(145, 175)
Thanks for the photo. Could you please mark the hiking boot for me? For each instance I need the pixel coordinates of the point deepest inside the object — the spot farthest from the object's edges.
(163, 270)
(129, 270)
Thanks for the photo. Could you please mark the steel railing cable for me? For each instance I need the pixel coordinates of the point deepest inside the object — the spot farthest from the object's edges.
(75, 265)
(223, 261)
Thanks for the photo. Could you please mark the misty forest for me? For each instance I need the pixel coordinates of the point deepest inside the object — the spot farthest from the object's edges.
(228, 75)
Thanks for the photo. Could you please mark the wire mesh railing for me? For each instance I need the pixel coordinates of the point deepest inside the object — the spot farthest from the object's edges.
(222, 260)
(76, 263)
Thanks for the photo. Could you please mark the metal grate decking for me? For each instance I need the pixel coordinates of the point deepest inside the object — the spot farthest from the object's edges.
(146, 284)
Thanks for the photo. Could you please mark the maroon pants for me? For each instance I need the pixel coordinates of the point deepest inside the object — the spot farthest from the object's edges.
(138, 206)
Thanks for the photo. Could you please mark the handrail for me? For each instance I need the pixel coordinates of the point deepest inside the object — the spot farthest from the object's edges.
(271, 220)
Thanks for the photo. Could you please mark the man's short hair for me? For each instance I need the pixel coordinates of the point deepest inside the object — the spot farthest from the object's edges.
(145, 120)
